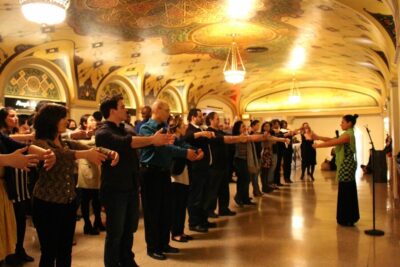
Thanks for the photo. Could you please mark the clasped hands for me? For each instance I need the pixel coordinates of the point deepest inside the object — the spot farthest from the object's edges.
(192, 155)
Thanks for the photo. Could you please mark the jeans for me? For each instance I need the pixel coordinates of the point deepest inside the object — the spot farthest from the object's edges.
(122, 210)
(271, 170)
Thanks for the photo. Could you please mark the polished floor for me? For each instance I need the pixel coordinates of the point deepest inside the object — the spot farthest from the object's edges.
(294, 226)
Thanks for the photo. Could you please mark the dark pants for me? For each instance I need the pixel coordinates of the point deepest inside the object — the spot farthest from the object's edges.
(179, 198)
(55, 225)
(264, 179)
(197, 189)
(20, 209)
(87, 196)
(287, 164)
(277, 174)
(213, 186)
(156, 201)
(223, 193)
(243, 180)
(122, 210)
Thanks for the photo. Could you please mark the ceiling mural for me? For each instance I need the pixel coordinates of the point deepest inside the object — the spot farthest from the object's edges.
(189, 40)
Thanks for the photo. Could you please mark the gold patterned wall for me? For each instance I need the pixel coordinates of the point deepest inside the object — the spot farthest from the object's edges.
(32, 83)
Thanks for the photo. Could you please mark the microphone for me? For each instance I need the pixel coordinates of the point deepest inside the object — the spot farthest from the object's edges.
(337, 133)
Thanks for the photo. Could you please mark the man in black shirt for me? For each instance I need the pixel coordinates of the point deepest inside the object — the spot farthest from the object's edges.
(219, 184)
(119, 187)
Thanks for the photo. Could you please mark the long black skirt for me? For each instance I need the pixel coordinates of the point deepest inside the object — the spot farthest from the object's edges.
(347, 204)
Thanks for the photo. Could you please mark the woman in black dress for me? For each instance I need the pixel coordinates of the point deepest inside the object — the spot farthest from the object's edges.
(308, 153)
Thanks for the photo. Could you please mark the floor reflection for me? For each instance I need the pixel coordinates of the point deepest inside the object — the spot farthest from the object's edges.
(294, 226)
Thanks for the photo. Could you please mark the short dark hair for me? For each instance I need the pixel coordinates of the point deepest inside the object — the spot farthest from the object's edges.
(275, 121)
(192, 113)
(210, 117)
(108, 103)
(97, 116)
(83, 120)
(47, 119)
(236, 127)
(253, 123)
(282, 122)
(351, 118)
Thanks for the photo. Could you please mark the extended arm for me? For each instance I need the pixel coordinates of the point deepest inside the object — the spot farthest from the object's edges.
(334, 141)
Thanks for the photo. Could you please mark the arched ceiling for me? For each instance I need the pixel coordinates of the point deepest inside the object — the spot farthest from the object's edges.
(349, 53)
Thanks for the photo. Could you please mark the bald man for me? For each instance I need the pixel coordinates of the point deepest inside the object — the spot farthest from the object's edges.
(156, 183)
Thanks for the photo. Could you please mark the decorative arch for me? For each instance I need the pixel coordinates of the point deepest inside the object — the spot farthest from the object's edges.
(173, 97)
(119, 84)
(32, 77)
(218, 103)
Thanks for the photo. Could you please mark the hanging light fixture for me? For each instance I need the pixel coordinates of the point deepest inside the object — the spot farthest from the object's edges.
(294, 94)
(234, 70)
(47, 12)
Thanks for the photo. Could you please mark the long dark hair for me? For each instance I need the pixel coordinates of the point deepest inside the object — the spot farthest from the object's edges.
(4, 112)
(265, 123)
(47, 119)
(351, 118)
(236, 128)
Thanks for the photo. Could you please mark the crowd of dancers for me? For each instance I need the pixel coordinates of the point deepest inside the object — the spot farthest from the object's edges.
(175, 169)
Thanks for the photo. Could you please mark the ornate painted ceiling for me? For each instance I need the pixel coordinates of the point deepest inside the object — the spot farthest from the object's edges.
(349, 49)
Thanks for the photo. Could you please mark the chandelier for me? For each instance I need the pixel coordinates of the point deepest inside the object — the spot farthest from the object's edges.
(234, 70)
(294, 94)
(47, 12)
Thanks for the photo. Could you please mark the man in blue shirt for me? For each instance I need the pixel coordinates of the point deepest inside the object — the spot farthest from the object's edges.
(156, 183)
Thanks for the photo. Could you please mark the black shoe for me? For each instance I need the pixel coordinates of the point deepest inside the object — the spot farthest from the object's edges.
(279, 184)
(289, 181)
(211, 225)
(198, 228)
(13, 260)
(302, 177)
(238, 202)
(227, 212)
(23, 256)
(267, 190)
(179, 238)
(249, 203)
(157, 256)
(169, 249)
(99, 226)
(212, 214)
(188, 237)
(89, 230)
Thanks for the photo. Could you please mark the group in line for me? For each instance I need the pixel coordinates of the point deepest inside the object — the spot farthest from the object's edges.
(171, 166)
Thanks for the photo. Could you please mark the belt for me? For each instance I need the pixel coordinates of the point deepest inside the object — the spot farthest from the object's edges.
(154, 167)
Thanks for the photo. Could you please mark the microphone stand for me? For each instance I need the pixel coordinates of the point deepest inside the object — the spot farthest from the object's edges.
(373, 231)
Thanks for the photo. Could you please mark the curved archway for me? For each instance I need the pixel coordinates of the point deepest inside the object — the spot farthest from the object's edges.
(118, 84)
(34, 78)
(223, 107)
(172, 96)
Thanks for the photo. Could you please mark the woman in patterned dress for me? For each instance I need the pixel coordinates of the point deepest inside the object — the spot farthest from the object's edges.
(345, 148)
